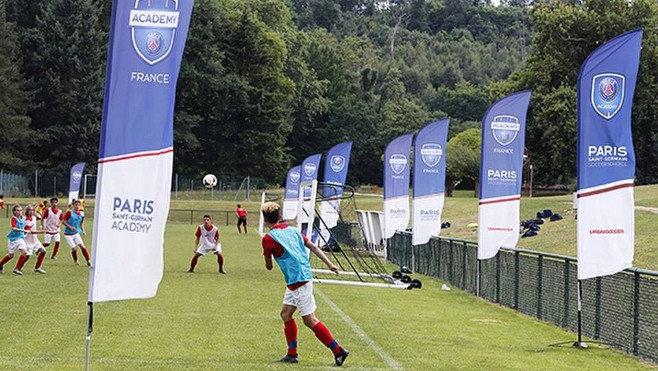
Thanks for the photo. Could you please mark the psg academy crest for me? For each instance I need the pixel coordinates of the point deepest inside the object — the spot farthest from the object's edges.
(153, 24)
(431, 153)
(398, 163)
(309, 169)
(77, 175)
(337, 163)
(294, 177)
(607, 94)
(505, 129)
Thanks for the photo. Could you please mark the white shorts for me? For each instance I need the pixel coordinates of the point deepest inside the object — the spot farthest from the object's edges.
(18, 244)
(203, 250)
(302, 299)
(48, 237)
(73, 240)
(34, 247)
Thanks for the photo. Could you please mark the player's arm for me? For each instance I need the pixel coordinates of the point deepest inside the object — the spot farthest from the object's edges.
(320, 254)
(268, 262)
(82, 226)
(14, 227)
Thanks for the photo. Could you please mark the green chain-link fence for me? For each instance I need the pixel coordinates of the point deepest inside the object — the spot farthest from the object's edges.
(619, 309)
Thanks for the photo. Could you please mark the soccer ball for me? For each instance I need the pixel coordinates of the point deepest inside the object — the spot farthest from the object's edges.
(209, 181)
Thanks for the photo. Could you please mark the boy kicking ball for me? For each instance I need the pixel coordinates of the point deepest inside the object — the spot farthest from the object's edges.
(288, 247)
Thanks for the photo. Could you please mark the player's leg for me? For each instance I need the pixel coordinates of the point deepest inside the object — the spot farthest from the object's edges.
(244, 223)
(7, 258)
(220, 259)
(83, 249)
(25, 255)
(289, 328)
(70, 239)
(238, 224)
(195, 260)
(41, 254)
(307, 309)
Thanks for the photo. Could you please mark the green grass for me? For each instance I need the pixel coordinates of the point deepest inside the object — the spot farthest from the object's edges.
(205, 321)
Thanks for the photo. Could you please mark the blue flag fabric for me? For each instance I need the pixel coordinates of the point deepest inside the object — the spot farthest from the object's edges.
(291, 196)
(606, 158)
(396, 185)
(335, 173)
(429, 180)
(310, 167)
(501, 169)
(74, 180)
(147, 38)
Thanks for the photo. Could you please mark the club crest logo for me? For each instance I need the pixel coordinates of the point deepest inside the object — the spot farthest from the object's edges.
(431, 153)
(608, 94)
(309, 169)
(77, 175)
(505, 129)
(153, 24)
(294, 177)
(337, 163)
(398, 163)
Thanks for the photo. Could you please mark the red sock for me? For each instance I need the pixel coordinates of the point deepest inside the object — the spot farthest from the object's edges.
(290, 329)
(21, 261)
(195, 260)
(85, 253)
(40, 260)
(5, 259)
(55, 249)
(324, 335)
(220, 260)
(74, 254)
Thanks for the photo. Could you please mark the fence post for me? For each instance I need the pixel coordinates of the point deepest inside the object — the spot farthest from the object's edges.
(464, 251)
(540, 272)
(227, 218)
(517, 258)
(498, 277)
(191, 216)
(636, 313)
(597, 308)
(451, 263)
(565, 319)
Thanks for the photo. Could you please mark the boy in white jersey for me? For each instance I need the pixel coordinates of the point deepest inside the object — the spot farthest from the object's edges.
(51, 221)
(207, 240)
(34, 246)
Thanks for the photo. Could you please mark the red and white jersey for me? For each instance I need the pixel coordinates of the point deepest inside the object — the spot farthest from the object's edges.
(31, 225)
(207, 237)
(51, 220)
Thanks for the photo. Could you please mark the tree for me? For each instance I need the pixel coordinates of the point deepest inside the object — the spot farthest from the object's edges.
(463, 159)
(14, 101)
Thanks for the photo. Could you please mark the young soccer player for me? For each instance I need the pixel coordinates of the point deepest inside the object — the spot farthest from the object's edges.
(16, 241)
(73, 231)
(241, 213)
(2, 201)
(51, 221)
(207, 239)
(288, 247)
(34, 246)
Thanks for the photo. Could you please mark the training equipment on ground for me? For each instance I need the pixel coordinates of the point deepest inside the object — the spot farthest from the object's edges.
(209, 181)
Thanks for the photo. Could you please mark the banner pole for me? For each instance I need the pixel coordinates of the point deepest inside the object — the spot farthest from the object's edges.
(580, 342)
(90, 322)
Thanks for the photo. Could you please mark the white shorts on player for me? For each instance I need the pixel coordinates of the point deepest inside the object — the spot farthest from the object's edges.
(302, 299)
(204, 249)
(18, 244)
(34, 245)
(51, 237)
(73, 240)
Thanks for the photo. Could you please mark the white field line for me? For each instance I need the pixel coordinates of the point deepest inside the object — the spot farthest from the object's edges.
(392, 363)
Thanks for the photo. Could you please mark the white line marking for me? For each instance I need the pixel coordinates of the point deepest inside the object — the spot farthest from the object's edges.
(393, 364)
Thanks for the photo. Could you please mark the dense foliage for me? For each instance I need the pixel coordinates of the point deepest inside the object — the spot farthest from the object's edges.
(265, 83)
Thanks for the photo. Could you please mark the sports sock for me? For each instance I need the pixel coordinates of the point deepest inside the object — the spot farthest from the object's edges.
(55, 249)
(21, 261)
(74, 254)
(220, 261)
(40, 260)
(290, 329)
(324, 335)
(4, 260)
(195, 260)
(85, 253)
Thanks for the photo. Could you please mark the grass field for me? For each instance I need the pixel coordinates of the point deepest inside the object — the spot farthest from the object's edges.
(205, 321)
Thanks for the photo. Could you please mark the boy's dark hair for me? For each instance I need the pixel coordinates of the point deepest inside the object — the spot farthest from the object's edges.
(207, 216)
(239, 205)
(271, 212)
(54, 199)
